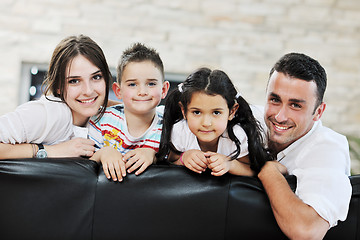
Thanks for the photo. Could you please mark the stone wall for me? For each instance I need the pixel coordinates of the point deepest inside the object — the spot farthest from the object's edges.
(242, 37)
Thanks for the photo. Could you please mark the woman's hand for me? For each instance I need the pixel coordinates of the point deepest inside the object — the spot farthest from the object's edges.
(77, 147)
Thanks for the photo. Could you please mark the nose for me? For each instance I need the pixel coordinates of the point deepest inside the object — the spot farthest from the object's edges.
(281, 116)
(142, 91)
(206, 121)
(88, 88)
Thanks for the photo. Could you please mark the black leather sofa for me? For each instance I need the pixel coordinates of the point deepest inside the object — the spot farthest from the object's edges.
(72, 199)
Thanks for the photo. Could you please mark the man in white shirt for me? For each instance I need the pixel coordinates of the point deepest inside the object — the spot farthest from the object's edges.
(316, 155)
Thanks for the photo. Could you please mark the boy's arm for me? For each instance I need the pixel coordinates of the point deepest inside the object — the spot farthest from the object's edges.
(295, 218)
(139, 158)
(112, 162)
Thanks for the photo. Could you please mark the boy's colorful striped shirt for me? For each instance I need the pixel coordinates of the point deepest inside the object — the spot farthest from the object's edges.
(112, 130)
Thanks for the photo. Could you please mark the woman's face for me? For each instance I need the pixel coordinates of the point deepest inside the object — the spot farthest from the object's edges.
(85, 89)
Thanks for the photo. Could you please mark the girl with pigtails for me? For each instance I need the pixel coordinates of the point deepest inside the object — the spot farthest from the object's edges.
(208, 125)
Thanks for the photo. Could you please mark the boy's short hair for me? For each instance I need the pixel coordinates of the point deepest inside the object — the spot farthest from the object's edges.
(138, 52)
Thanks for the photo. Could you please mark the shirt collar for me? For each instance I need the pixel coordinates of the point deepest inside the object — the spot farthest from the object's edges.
(295, 144)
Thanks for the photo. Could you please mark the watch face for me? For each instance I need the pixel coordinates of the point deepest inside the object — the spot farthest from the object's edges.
(41, 153)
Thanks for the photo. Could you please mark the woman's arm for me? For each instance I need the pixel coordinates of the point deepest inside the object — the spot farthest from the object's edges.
(77, 147)
(24, 150)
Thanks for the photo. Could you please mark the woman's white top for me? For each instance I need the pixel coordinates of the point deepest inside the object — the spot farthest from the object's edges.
(40, 121)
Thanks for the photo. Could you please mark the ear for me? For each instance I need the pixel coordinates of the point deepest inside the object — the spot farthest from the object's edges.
(233, 111)
(319, 111)
(116, 88)
(165, 89)
(182, 110)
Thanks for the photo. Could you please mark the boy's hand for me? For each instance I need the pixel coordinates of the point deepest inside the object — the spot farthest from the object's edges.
(194, 160)
(112, 162)
(219, 164)
(139, 158)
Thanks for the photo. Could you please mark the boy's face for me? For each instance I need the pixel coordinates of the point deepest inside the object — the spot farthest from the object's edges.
(141, 87)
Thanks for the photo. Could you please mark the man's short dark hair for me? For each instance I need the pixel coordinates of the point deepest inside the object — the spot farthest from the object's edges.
(303, 67)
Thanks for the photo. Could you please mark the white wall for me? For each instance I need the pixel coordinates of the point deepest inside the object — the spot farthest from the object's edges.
(242, 37)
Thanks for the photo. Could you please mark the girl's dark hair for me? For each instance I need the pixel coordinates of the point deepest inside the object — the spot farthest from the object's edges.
(69, 48)
(214, 82)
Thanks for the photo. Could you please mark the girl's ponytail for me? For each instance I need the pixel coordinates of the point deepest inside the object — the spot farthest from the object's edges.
(258, 155)
(172, 114)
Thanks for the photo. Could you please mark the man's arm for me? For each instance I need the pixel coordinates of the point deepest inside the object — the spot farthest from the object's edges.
(296, 219)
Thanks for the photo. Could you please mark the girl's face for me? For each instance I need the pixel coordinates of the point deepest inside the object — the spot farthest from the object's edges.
(85, 89)
(207, 117)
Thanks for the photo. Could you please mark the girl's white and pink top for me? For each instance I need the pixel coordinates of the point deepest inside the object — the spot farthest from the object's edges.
(183, 139)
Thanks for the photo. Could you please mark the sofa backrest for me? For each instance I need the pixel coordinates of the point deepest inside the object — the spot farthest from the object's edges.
(72, 199)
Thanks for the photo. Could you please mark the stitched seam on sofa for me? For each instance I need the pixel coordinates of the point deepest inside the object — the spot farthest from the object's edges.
(227, 206)
(93, 209)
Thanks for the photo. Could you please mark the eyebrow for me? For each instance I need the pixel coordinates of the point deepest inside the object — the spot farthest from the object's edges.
(215, 109)
(135, 79)
(94, 73)
(295, 100)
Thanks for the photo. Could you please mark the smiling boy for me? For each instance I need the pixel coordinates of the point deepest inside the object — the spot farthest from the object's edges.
(129, 133)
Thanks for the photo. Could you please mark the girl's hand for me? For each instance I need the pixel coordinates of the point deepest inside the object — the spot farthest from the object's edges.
(194, 160)
(112, 162)
(219, 164)
(139, 158)
(76, 147)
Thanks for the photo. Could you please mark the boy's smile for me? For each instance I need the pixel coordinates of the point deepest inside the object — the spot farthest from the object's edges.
(141, 87)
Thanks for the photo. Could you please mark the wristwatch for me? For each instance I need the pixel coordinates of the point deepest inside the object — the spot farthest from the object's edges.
(41, 153)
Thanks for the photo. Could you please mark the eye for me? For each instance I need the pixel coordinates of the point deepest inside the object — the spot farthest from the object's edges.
(73, 81)
(217, 113)
(295, 105)
(152, 84)
(196, 112)
(274, 100)
(132, 85)
(98, 77)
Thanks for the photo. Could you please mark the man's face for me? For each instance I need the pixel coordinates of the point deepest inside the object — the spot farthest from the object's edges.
(289, 109)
